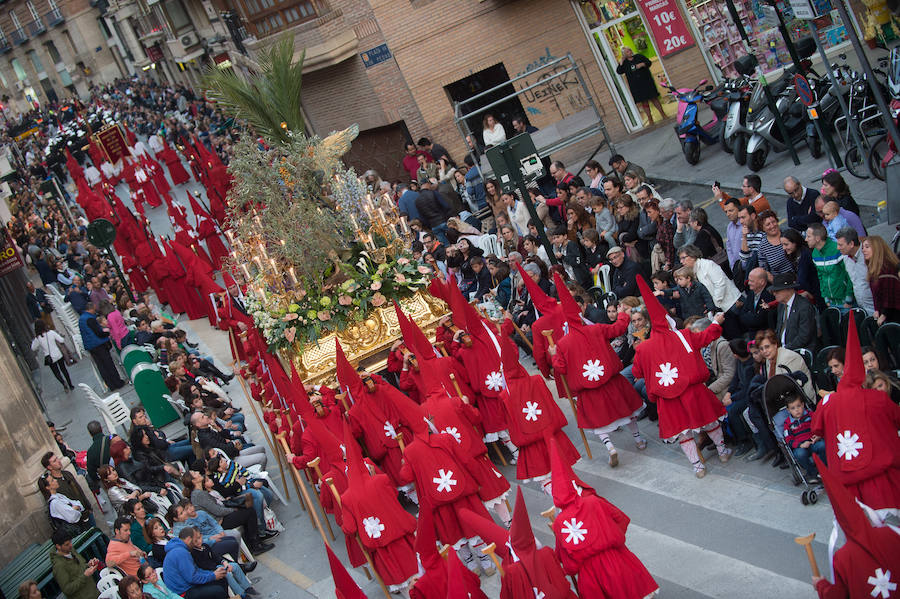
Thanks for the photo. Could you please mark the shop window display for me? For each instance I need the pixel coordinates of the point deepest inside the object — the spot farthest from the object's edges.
(725, 45)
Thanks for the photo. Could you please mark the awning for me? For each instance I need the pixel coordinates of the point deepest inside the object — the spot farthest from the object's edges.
(191, 56)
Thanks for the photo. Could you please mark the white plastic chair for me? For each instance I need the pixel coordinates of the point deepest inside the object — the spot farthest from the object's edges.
(111, 572)
(111, 408)
(109, 581)
(604, 274)
(111, 593)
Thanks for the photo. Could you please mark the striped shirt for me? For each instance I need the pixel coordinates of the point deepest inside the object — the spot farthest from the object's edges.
(798, 431)
(772, 257)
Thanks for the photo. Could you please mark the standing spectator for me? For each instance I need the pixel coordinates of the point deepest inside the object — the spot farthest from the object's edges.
(433, 211)
(751, 236)
(621, 166)
(627, 216)
(734, 230)
(753, 196)
(433, 150)
(663, 255)
(427, 170)
(604, 220)
(684, 233)
(98, 454)
(723, 291)
(646, 226)
(407, 202)
(72, 573)
(796, 319)
(737, 398)
(493, 133)
(636, 68)
(708, 240)
(96, 340)
(49, 342)
(560, 174)
(693, 297)
(66, 481)
(410, 161)
(595, 172)
(800, 204)
(770, 253)
(38, 304)
(800, 256)
(719, 359)
(855, 265)
(475, 183)
(834, 283)
(77, 295)
(835, 188)
(881, 263)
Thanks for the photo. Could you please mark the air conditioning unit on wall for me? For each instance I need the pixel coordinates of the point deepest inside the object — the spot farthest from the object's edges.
(189, 39)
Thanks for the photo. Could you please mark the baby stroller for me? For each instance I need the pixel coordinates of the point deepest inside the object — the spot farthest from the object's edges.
(776, 390)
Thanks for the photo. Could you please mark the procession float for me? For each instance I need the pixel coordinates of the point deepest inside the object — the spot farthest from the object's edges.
(323, 259)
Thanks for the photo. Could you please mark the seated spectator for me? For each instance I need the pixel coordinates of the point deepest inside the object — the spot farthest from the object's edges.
(158, 535)
(780, 360)
(737, 398)
(569, 254)
(149, 477)
(209, 437)
(120, 490)
(623, 277)
(799, 255)
(134, 509)
(130, 588)
(662, 281)
(183, 575)
(68, 484)
(855, 264)
(148, 441)
(121, 553)
(77, 295)
(230, 479)
(799, 438)
(71, 572)
(882, 263)
(30, 590)
(835, 362)
(237, 580)
(153, 585)
(876, 379)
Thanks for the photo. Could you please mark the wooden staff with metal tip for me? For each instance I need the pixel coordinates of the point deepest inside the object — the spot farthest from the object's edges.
(565, 383)
(549, 514)
(314, 515)
(490, 552)
(337, 498)
(280, 438)
(400, 442)
(342, 397)
(807, 544)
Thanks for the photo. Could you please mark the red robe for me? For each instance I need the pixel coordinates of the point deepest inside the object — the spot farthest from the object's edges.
(519, 583)
(173, 163)
(460, 421)
(676, 379)
(483, 374)
(441, 474)
(606, 400)
(860, 427)
(548, 322)
(207, 231)
(371, 509)
(375, 419)
(590, 542)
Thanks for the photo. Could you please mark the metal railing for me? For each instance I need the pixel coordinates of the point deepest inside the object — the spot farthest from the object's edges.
(54, 17)
(4, 46)
(36, 27)
(18, 36)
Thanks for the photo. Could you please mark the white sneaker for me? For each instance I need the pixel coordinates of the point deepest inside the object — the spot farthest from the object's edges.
(699, 470)
(613, 458)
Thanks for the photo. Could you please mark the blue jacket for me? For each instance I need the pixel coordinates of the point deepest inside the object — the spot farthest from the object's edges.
(179, 570)
(475, 187)
(407, 204)
(206, 524)
(89, 338)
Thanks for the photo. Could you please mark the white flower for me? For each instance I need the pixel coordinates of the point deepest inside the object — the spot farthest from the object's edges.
(667, 374)
(373, 527)
(453, 432)
(882, 584)
(848, 446)
(532, 411)
(593, 370)
(443, 481)
(494, 381)
(389, 430)
(575, 531)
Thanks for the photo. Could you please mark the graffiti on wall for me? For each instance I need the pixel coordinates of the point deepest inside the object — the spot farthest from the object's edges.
(553, 93)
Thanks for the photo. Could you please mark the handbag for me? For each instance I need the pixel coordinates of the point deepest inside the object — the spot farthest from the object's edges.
(47, 359)
(272, 522)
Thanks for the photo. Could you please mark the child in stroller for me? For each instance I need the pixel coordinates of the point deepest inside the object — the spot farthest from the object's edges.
(799, 438)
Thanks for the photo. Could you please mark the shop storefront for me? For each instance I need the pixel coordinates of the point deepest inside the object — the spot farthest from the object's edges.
(662, 30)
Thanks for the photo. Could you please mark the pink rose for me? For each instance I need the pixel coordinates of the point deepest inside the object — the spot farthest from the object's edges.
(324, 315)
(402, 261)
(375, 286)
(400, 278)
(289, 316)
(424, 269)
(345, 300)
(289, 334)
(378, 300)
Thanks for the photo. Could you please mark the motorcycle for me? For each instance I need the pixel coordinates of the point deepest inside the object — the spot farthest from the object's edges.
(688, 128)
(884, 151)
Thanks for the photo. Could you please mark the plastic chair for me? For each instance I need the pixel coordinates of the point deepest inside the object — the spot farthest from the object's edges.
(820, 370)
(111, 572)
(111, 593)
(111, 408)
(807, 357)
(857, 314)
(604, 276)
(887, 341)
(108, 582)
(867, 331)
(831, 327)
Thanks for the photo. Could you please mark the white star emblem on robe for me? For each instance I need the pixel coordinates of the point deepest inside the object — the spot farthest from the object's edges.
(667, 374)
(882, 584)
(532, 411)
(593, 370)
(575, 531)
(848, 445)
(373, 527)
(444, 481)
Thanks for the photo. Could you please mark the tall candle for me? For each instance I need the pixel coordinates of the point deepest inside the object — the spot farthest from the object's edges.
(293, 276)
(246, 271)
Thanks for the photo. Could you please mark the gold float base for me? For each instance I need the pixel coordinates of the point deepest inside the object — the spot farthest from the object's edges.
(366, 343)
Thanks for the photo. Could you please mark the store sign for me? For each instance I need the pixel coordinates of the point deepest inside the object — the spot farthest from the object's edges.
(667, 25)
(10, 259)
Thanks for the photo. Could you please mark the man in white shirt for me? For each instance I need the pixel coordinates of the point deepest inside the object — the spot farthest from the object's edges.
(851, 255)
(92, 175)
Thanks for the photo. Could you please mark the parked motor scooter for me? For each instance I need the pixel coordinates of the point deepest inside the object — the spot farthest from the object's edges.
(736, 133)
(766, 135)
(688, 128)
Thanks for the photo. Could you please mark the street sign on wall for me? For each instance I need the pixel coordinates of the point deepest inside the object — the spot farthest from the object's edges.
(667, 25)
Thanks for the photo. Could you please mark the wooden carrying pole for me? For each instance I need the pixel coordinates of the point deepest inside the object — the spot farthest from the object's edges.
(384, 588)
(807, 544)
(490, 552)
(314, 464)
(283, 443)
(565, 383)
(314, 515)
